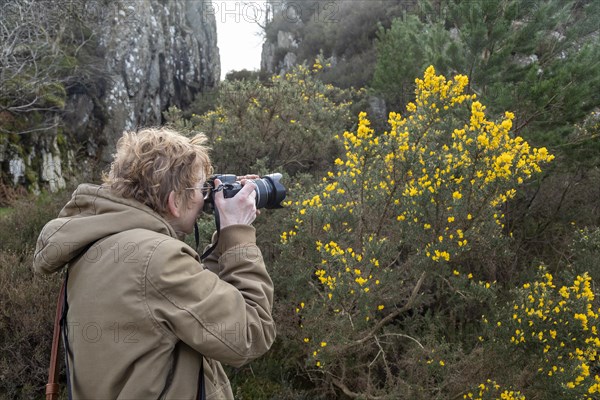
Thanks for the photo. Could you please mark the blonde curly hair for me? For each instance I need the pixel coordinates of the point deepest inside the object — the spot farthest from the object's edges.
(152, 162)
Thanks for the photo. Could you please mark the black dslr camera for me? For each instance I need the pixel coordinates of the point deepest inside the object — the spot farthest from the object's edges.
(269, 191)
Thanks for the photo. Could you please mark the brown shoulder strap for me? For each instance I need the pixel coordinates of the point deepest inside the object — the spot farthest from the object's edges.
(52, 388)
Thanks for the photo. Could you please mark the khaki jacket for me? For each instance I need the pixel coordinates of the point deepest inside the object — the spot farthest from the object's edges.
(143, 311)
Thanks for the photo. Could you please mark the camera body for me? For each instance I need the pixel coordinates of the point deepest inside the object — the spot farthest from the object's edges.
(269, 191)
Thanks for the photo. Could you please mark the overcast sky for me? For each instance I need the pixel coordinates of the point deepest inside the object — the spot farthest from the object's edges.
(238, 35)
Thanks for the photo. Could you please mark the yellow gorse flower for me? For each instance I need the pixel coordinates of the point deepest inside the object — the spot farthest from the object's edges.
(561, 324)
(438, 173)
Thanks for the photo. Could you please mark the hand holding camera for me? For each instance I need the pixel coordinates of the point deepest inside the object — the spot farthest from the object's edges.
(247, 193)
(240, 209)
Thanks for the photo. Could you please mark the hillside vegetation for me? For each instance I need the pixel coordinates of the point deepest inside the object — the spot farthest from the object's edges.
(444, 250)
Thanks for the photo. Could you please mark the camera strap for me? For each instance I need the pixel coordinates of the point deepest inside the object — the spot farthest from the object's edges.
(60, 330)
(214, 245)
(52, 389)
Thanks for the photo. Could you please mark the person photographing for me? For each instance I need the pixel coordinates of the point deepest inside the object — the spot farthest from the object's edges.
(145, 316)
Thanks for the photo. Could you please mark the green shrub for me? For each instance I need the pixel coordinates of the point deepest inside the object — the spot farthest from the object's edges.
(550, 331)
(585, 250)
(283, 126)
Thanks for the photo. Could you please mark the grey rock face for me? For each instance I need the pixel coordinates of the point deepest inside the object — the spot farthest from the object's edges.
(289, 61)
(267, 57)
(270, 62)
(158, 54)
(279, 56)
(286, 40)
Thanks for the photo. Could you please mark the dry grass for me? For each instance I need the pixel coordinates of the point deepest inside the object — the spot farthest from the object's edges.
(28, 300)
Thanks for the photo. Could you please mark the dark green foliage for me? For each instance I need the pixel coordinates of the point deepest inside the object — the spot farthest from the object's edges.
(353, 71)
(403, 51)
(538, 59)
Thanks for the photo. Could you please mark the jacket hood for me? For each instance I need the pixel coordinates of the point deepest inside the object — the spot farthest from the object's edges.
(92, 214)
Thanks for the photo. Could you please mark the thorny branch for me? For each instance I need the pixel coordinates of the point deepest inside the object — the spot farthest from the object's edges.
(372, 335)
(381, 323)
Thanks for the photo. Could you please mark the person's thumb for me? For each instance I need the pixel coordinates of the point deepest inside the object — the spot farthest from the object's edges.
(218, 194)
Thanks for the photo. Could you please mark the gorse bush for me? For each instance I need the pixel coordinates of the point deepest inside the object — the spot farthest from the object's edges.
(535, 59)
(551, 330)
(393, 226)
(284, 125)
(585, 249)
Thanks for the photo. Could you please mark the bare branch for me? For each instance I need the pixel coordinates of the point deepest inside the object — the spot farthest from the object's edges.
(409, 304)
(404, 336)
(38, 129)
(342, 386)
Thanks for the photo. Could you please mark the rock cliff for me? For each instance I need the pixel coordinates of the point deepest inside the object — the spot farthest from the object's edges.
(279, 49)
(149, 55)
(158, 53)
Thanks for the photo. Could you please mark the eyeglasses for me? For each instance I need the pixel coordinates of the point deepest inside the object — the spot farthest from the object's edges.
(206, 189)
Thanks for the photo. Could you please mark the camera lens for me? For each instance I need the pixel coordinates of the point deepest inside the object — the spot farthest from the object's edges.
(269, 191)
